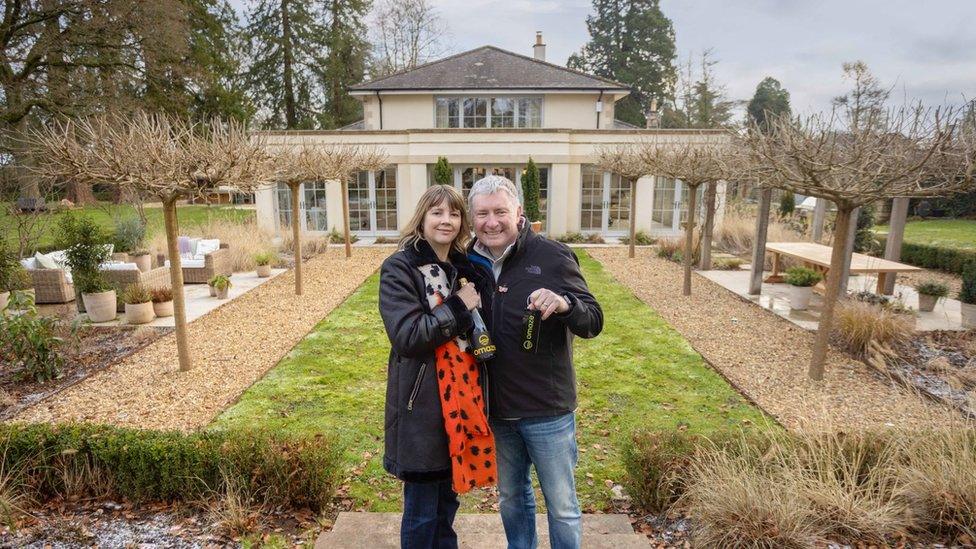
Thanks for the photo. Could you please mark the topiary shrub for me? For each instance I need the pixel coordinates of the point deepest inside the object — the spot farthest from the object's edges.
(967, 294)
(443, 173)
(530, 192)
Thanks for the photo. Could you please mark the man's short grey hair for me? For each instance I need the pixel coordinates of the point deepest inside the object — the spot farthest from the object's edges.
(491, 184)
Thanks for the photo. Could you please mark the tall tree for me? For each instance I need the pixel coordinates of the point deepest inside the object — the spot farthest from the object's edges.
(769, 101)
(287, 44)
(865, 102)
(631, 41)
(700, 101)
(406, 33)
(346, 60)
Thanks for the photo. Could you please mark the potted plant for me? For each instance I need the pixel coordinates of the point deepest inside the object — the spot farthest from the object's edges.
(130, 233)
(138, 304)
(85, 251)
(264, 261)
(967, 295)
(929, 293)
(801, 281)
(142, 259)
(530, 195)
(162, 300)
(221, 285)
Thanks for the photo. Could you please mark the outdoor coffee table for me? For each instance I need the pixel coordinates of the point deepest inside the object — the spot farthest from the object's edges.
(817, 257)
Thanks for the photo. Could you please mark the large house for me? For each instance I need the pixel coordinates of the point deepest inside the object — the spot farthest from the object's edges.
(488, 111)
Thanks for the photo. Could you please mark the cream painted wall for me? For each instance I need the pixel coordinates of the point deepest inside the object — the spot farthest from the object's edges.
(645, 202)
(559, 183)
(577, 111)
(573, 200)
(402, 112)
(264, 203)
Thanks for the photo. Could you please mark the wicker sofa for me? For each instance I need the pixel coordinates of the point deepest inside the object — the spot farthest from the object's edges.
(201, 270)
(50, 285)
(121, 278)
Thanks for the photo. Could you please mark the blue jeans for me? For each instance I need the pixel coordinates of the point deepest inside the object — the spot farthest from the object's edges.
(428, 515)
(549, 443)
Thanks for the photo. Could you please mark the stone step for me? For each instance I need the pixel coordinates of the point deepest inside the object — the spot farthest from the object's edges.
(475, 531)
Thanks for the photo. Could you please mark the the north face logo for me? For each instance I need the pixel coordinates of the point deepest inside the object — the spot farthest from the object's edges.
(534, 269)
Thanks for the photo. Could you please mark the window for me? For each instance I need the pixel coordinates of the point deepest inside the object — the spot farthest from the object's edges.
(488, 112)
(448, 114)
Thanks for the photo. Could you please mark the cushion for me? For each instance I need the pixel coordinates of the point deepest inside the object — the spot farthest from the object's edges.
(192, 247)
(113, 266)
(205, 247)
(45, 261)
(190, 263)
(30, 263)
(59, 257)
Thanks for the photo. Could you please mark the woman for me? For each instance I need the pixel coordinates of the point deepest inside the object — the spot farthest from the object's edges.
(437, 436)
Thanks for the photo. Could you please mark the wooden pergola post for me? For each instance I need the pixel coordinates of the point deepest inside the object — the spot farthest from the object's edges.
(896, 236)
(759, 243)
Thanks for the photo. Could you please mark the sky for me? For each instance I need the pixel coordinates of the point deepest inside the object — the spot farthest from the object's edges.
(922, 50)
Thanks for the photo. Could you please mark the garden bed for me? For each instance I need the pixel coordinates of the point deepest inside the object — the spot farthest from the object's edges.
(942, 366)
(96, 349)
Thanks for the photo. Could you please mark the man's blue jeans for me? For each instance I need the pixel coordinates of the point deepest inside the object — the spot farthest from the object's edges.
(549, 443)
(428, 515)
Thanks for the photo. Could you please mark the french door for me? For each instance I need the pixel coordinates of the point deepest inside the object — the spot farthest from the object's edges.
(311, 202)
(666, 212)
(605, 202)
(373, 203)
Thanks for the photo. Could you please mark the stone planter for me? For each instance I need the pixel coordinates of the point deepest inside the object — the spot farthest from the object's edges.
(800, 297)
(536, 226)
(927, 302)
(264, 271)
(4, 299)
(222, 293)
(144, 262)
(213, 291)
(163, 309)
(968, 313)
(139, 313)
(101, 307)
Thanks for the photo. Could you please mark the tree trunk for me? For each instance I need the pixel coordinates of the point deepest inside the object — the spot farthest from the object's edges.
(896, 235)
(759, 243)
(291, 119)
(80, 193)
(345, 215)
(817, 224)
(705, 260)
(845, 273)
(689, 237)
(633, 217)
(296, 234)
(176, 281)
(819, 353)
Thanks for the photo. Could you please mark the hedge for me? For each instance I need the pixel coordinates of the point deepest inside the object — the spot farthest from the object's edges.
(950, 260)
(168, 465)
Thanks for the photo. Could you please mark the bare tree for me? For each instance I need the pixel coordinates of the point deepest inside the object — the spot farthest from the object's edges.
(158, 156)
(295, 164)
(695, 164)
(856, 157)
(407, 33)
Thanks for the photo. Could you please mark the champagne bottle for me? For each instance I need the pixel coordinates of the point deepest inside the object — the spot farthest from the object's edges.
(481, 346)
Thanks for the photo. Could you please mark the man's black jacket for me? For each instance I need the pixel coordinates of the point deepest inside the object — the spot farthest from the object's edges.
(534, 380)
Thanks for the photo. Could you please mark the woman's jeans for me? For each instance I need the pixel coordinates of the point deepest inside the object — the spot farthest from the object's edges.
(428, 515)
(549, 443)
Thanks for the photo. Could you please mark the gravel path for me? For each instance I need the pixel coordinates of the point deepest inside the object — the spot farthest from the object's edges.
(766, 357)
(232, 347)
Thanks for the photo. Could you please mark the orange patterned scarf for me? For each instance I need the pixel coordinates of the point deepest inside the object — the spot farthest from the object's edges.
(470, 442)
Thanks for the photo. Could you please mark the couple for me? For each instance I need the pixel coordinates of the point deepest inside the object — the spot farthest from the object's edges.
(454, 423)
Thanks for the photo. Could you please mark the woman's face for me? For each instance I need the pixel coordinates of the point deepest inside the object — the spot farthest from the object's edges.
(442, 224)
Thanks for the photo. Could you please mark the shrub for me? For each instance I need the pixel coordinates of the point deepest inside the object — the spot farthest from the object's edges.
(134, 294)
(161, 295)
(311, 245)
(530, 192)
(8, 264)
(37, 344)
(967, 294)
(337, 237)
(130, 234)
(19, 279)
(858, 323)
(932, 288)
(443, 173)
(220, 282)
(802, 276)
(864, 239)
(670, 248)
(571, 238)
(930, 256)
(787, 204)
(85, 249)
(641, 238)
(727, 264)
(171, 466)
(737, 233)
(265, 258)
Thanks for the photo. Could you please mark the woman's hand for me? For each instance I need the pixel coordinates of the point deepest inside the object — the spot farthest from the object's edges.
(469, 295)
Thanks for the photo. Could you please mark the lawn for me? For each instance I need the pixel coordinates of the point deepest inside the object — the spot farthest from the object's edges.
(950, 233)
(105, 213)
(638, 373)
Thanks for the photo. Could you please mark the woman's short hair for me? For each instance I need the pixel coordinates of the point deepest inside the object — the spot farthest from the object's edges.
(413, 232)
(491, 184)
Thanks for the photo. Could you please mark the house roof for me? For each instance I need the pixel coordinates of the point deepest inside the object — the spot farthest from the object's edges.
(489, 67)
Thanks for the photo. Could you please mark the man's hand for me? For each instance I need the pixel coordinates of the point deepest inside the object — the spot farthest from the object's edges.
(548, 302)
(469, 295)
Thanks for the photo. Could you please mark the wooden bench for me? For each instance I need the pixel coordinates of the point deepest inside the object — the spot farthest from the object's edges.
(817, 257)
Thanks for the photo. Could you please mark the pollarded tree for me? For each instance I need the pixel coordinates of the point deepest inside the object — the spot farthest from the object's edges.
(855, 158)
(158, 156)
(294, 164)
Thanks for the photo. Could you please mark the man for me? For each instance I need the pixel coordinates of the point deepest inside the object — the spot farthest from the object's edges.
(538, 302)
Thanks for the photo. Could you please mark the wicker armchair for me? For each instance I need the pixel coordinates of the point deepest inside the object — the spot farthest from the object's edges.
(51, 286)
(214, 263)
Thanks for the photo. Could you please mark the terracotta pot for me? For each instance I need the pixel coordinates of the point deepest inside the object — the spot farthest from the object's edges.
(144, 262)
(264, 271)
(968, 313)
(927, 302)
(222, 293)
(101, 307)
(4, 299)
(536, 226)
(139, 313)
(213, 291)
(163, 309)
(800, 297)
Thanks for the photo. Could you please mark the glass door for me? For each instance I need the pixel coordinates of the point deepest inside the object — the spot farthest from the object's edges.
(617, 200)
(311, 204)
(665, 212)
(373, 202)
(592, 218)
(605, 202)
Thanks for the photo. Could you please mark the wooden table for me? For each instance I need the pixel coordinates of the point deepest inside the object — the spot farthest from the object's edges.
(817, 257)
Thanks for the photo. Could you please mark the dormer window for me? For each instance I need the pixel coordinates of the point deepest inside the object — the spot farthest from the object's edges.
(488, 112)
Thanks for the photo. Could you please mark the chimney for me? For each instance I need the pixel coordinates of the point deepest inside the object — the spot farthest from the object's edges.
(653, 117)
(539, 49)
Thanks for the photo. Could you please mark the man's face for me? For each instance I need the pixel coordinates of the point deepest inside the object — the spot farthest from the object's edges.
(495, 219)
